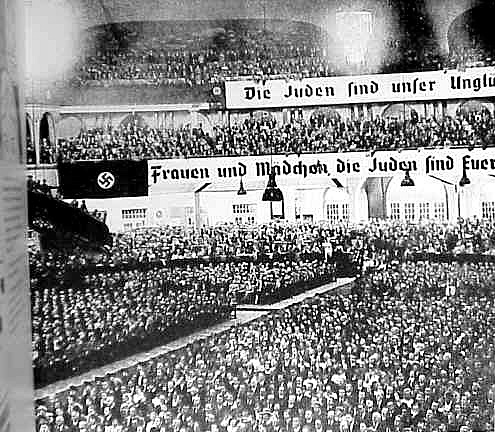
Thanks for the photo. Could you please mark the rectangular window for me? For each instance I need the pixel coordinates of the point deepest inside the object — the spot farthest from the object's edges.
(243, 208)
(333, 213)
(244, 213)
(488, 210)
(409, 211)
(394, 211)
(424, 211)
(345, 212)
(238, 208)
(439, 211)
(134, 214)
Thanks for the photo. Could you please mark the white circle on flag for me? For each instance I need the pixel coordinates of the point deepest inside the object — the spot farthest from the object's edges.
(106, 180)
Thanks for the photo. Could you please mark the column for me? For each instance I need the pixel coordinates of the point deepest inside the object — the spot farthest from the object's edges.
(358, 205)
(197, 211)
(289, 203)
(453, 203)
(35, 135)
(194, 118)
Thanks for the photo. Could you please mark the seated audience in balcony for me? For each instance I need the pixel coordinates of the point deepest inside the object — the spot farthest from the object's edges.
(264, 136)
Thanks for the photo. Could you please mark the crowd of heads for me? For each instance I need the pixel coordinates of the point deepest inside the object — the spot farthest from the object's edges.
(402, 352)
(226, 241)
(172, 269)
(378, 240)
(88, 309)
(323, 132)
(81, 323)
(466, 236)
(152, 55)
(151, 58)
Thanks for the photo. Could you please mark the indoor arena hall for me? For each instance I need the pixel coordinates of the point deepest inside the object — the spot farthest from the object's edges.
(261, 217)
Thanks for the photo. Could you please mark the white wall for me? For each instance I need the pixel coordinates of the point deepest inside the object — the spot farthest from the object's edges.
(218, 206)
(426, 190)
(339, 197)
(311, 203)
(473, 195)
(170, 209)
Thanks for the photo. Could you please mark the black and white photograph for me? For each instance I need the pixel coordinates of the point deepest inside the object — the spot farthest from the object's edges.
(247, 216)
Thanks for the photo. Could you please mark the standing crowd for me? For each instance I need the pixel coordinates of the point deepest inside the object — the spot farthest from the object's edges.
(403, 352)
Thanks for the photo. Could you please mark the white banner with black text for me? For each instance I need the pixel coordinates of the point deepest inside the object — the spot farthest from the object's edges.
(169, 175)
(347, 90)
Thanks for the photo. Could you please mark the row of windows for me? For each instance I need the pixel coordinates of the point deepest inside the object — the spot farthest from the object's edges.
(243, 208)
(414, 211)
(337, 212)
(244, 213)
(132, 226)
(250, 220)
(488, 210)
(134, 214)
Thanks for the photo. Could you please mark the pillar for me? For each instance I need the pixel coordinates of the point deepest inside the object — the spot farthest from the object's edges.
(358, 206)
(376, 190)
(197, 211)
(452, 199)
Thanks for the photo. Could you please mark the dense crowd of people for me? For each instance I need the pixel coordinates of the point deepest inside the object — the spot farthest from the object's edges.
(80, 324)
(274, 242)
(223, 242)
(272, 262)
(467, 236)
(167, 271)
(209, 67)
(149, 55)
(409, 348)
(403, 352)
(263, 136)
(103, 317)
(239, 265)
(151, 59)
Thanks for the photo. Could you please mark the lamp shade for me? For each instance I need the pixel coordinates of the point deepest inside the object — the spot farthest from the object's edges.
(407, 181)
(241, 190)
(464, 180)
(272, 192)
